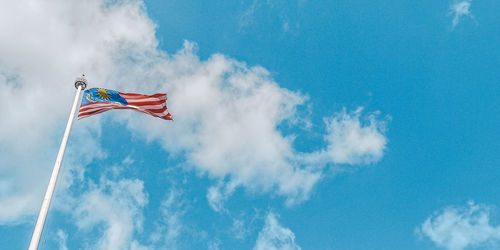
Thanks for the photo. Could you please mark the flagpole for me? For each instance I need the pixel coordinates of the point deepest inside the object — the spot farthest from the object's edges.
(80, 84)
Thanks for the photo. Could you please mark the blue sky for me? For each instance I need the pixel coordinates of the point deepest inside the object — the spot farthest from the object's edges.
(298, 125)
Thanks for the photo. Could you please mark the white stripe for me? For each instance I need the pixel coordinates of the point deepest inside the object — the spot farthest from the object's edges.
(163, 97)
(164, 113)
(144, 100)
(154, 114)
(149, 111)
(149, 106)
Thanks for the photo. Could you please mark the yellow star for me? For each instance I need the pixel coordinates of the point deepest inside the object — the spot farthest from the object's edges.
(103, 94)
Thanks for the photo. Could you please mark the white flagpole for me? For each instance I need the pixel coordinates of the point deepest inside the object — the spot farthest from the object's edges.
(80, 84)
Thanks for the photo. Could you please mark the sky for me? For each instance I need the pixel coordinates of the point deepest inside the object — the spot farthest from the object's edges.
(297, 124)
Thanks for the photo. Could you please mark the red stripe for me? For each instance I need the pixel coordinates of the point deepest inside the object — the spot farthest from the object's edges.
(158, 110)
(151, 107)
(146, 103)
(157, 114)
(82, 115)
(95, 111)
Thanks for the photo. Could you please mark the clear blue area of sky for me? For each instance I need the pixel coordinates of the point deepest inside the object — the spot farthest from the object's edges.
(440, 86)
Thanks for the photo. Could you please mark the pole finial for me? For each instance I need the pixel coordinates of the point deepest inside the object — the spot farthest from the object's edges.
(81, 81)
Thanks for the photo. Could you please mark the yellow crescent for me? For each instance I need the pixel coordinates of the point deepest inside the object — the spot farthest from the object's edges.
(88, 98)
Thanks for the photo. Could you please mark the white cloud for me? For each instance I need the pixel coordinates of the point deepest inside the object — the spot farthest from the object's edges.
(44, 45)
(115, 204)
(226, 122)
(460, 10)
(128, 160)
(214, 244)
(62, 237)
(21, 202)
(137, 246)
(247, 17)
(351, 141)
(246, 223)
(274, 236)
(279, 9)
(239, 229)
(115, 209)
(217, 195)
(170, 226)
(461, 227)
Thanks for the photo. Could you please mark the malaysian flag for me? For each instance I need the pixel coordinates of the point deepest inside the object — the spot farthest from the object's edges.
(97, 100)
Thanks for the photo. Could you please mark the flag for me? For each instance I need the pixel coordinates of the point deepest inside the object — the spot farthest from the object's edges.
(97, 100)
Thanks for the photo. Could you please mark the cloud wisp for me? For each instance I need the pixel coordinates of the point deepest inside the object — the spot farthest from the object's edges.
(460, 10)
(280, 10)
(62, 237)
(274, 236)
(461, 227)
(115, 204)
(170, 225)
